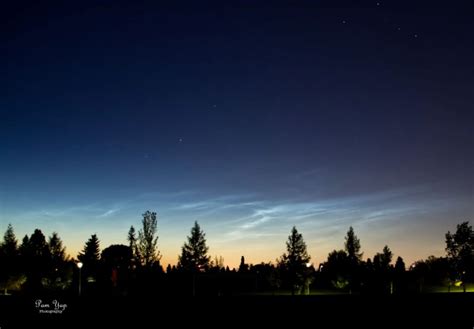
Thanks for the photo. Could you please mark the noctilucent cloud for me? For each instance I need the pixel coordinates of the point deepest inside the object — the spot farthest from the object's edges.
(249, 118)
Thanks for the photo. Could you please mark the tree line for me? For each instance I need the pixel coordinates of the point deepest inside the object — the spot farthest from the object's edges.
(40, 265)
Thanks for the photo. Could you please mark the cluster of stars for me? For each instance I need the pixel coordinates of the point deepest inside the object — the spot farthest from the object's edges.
(415, 35)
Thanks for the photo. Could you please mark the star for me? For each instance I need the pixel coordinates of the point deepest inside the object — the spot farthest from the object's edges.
(415, 35)
(343, 22)
(180, 140)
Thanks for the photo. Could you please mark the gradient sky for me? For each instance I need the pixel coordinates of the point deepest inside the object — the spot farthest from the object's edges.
(247, 117)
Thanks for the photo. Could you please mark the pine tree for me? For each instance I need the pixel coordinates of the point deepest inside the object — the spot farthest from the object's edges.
(132, 243)
(10, 243)
(24, 246)
(90, 256)
(131, 238)
(9, 260)
(91, 251)
(386, 257)
(243, 267)
(194, 252)
(354, 258)
(295, 261)
(57, 250)
(352, 246)
(58, 261)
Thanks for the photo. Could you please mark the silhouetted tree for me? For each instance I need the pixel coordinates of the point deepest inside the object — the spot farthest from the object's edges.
(460, 251)
(399, 275)
(37, 260)
(399, 265)
(438, 271)
(116, 260)
(243, 267)
(194, 252)
(419, 271)
(148, 241)
(383, 270)
(90, 257)
(218, 263)
(352, 247)
(336, 269)
(354, 256)
(24, 246)
(296, 260)
(9, 246)
(382, 260)
(58, 251)
(132, 243)
(9, 262)
(386, 257)
(266, 276)
(58, 262)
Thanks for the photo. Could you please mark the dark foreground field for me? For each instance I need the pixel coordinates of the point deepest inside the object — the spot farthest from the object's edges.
(422, 311)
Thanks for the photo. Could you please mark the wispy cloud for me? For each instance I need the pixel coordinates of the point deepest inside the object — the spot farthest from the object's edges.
(328, 214)
(108, 213)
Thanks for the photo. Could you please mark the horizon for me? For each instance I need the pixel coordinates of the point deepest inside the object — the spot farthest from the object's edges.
(253, 258)
(249, 118)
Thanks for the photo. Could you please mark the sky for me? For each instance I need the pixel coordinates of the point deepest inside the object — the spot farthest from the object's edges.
(249, 117)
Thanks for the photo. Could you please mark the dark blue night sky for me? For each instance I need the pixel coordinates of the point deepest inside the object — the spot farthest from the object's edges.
(249, 117)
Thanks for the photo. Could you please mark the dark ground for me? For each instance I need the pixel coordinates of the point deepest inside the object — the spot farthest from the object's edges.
(417, 311)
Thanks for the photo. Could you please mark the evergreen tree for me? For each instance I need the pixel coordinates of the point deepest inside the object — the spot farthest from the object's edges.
(243, 267)
(383, 270)
(90, 256)
(57, 250)
(132, 238)
(295, 261)
(352, 246)
(386, 257)
(58, 261)
(9, 261)
(10, 244)
(194, 252)
(132, 243)
(91, 251)
(24, 246)
(147, 248)
(354, 257)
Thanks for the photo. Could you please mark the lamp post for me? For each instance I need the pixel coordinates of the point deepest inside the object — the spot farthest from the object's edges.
(79, 266)
(307, 280)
